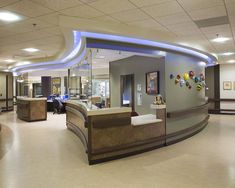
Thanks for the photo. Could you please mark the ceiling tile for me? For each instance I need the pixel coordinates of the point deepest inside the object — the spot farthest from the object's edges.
(130, 15)
(200, 4)
(142, 3)
(83, 11)
(186, 28)
(88, 1)
(219, 29)
(208, 13)
(232, 20)
(28, 8)
(53, 30)
(189, 24)
(149, 23)
(163, 9)
(112, 6)
(58, 4)
(173, 19)
(23, 27)
(7, 2)
(231, 8)
(105, 18)
(50, 18)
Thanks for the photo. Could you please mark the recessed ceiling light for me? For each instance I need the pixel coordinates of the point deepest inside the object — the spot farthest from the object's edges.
(220, 39)
(9, 17)
(231, 61)
(9, 60)
(31, 49)
(227, 53)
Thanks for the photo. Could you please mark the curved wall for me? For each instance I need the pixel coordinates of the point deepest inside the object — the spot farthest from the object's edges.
(182, 99)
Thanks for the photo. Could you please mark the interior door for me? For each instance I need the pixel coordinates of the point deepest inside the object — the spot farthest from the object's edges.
(127, 91)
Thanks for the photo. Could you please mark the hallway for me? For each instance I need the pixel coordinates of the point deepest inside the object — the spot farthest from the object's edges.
(46, 154)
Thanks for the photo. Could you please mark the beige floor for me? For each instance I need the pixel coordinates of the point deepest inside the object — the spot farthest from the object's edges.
(46, 154)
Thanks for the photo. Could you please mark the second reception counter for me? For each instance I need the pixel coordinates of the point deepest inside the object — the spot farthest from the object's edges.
(31, 109)
(112, 133)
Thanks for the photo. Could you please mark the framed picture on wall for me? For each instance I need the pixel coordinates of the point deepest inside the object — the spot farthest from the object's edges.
(227, 85)
(152, 83)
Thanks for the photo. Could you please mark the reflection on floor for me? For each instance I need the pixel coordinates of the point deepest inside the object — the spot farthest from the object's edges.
(46, 154)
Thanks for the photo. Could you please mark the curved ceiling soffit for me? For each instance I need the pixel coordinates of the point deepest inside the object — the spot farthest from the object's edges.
(75, 51)
(75, 45)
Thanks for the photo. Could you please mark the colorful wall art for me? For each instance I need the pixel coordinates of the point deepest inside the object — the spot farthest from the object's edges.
(189, 78)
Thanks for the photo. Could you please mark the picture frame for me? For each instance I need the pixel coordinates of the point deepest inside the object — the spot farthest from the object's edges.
(152, 83)
(227, 85)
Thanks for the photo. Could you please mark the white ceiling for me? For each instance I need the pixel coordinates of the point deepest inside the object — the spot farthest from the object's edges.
(102, 57)
(175, 16)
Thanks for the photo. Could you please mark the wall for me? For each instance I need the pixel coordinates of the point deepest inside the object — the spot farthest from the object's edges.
(35, 77)
(139, 66)
(227, 74)
(180, 98)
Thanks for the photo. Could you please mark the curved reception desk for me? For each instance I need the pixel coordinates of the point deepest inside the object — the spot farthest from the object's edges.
(112, 133)
(32, 109)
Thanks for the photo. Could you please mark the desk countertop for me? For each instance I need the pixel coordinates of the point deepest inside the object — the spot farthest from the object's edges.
(31, 99)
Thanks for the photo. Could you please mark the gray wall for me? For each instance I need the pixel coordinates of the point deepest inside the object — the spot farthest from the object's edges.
(139, 66)
(179, 98)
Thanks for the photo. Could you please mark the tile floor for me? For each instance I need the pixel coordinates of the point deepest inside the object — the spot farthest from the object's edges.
(46, 154)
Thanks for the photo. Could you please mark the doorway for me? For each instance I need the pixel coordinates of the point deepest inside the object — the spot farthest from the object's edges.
(127, 91)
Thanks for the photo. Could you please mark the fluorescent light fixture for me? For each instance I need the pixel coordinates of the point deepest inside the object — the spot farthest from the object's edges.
(6, 70)
(227, 53)
(220, 39)
(9, 17)
(231, 61)
(31, 49)
(9, 60)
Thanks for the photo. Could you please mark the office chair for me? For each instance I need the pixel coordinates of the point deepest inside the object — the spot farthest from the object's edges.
(58, 106)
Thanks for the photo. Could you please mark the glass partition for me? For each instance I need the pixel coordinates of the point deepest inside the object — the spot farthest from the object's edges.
(80, 81)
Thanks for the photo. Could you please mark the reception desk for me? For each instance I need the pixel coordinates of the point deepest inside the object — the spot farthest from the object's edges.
(112, 133)
(32, 109)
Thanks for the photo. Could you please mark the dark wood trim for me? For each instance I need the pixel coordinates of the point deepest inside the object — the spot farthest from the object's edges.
(217, 85)
(127, 146)
(9, 99)
(75, 129)
(187, 111)
(196, 129)
(229, 110)
(221, 100)
(188, 130)
(97, 161)
(152, 140)
(187, 136)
